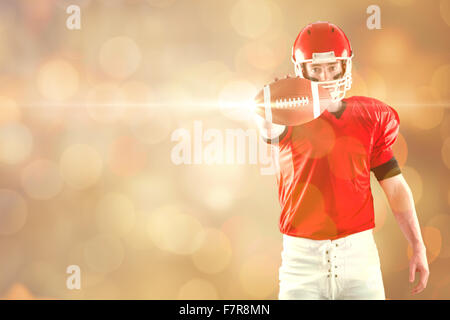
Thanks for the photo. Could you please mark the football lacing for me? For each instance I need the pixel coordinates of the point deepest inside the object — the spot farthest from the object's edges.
(292, 103)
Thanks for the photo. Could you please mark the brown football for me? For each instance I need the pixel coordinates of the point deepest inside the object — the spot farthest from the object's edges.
(292, 101)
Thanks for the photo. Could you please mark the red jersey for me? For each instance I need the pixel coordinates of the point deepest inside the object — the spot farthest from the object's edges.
(324, 177)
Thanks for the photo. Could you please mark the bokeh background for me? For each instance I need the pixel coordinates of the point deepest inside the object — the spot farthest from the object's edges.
(86, 124)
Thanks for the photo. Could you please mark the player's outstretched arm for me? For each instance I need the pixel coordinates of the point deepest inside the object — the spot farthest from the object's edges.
(401, 202)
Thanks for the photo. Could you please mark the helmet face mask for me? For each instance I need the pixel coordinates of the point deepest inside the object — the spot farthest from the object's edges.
(319, 43)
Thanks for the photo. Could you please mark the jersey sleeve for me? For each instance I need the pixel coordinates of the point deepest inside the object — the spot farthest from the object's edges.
(386, 134)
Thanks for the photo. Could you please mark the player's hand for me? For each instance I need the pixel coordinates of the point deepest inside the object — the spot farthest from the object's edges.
(419, 263)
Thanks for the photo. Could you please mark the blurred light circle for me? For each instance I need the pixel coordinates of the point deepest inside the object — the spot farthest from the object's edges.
(236, 100)
(16, 143)
(172, 230)
(127, 156)
(9, 111)
(215, 252)
(206, 183)
(115, 214)
(219, 198)
(138, 98)
(265, 54)
(446, 152)
(400, 149)
(257, 276)
(106, 102)
(120, 57)
(80, 166)
(444, 8)
(206, 78)
(13, 212)
(251, 18)
(57, 80)
(150, 189)
(442, 223)
(153, 126)
(258, 55)
(198, 289)
(414, 181)
(41, 179)
(103, 253)
(426, 114)
(376, 85)
(440, 81)
(389, 48)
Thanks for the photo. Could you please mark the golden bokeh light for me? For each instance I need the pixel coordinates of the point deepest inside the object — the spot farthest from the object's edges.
(153, 126)
(80, 166)
(207, 78)
(103, 253)
(198, 289)
(41, 179)
(115, 214)
(16, 143)
(57, 80)
(389, 47)
(442, 223)
(13, 212)
(120, 57)
(170, 229)
(106, 102)
(445, 151)
(251, 18)
(203, 182)
(400, 149)
(258, 275)
(127, 156)
(427, 114)
(215, 252)
(9, 111)
(440, 82)
(376, 85)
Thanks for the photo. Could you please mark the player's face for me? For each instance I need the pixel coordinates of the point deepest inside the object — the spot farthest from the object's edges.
(324, 71)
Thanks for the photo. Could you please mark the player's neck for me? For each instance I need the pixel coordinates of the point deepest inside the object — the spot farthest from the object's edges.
(335, 106)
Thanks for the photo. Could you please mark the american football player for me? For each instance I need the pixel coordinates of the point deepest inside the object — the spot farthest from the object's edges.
(327, 213)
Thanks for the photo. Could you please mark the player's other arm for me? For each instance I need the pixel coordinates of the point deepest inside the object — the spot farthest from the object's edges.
(401, 202)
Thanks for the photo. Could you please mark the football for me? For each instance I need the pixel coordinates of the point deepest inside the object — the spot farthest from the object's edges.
(292, 101)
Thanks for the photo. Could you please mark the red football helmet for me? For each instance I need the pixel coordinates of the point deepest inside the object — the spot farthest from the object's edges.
(323, 42)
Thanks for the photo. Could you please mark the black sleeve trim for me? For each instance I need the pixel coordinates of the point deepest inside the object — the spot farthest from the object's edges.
(278, 139)
(387, 170)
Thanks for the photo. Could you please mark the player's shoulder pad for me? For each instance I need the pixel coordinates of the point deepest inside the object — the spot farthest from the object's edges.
(376, 109)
